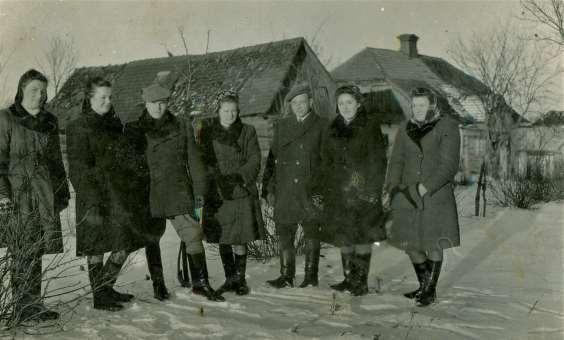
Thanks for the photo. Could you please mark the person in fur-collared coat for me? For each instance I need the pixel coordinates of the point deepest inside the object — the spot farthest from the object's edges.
(424, 161)
(33, 191)
(353, 171)
(232, 155)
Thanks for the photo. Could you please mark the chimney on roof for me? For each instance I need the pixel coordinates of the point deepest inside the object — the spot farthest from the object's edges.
(408, 44)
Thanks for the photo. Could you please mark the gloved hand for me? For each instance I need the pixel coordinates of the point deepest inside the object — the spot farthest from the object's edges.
(317, 201)
(5, 206)
(198, 209)
(227, 184)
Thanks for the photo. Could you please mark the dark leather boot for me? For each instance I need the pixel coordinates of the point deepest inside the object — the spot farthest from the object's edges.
(111, 273)
(422, 272)
(287, 270)
(29, 305)
(101, 299)
(240, 273)
(429, 293)
(346, 259)
(155, 266)
(200, 282)
(361, 267)
(228, 261)
(311, 267)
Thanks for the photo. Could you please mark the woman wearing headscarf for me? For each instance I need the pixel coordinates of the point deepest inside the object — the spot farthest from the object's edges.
(33, 183)
(232, 155)
(178, 179)
(424, 161)
(353, 170)
(104, 222)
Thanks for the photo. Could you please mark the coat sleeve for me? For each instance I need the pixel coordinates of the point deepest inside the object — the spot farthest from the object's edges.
(251, 168)
(82, 165)
(269, 175)
(396, 164)
(377, 161)
(449, 157)
(196, 166)
(57, 172)
(5, 127)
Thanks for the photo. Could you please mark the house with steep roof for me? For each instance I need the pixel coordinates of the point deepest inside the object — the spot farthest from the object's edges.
(386, 78)
(262, 74)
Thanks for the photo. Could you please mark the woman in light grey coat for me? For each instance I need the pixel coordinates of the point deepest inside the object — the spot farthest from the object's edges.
(424, 161)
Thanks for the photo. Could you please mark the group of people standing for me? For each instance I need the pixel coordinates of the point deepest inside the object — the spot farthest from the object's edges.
(327, 177)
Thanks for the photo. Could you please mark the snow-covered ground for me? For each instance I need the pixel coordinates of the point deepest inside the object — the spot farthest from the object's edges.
(504, 282)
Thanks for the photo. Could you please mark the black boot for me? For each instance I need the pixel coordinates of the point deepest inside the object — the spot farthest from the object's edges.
(287, 270)
(27, 286)
(200, 282)
(155, 266)
(240, 272)
(429, 293)
(311, 268)
(346, 259)
(228, 261)
(111, 273)
(361, 267)
(422, 272)
(101, 298)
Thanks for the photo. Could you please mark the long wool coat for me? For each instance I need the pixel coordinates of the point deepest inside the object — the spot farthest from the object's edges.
(104, 222)
(433, 162)
(138, 185)
(32, 174)
(352, 176)
(233, 159)
(177, 171)
(293, 162)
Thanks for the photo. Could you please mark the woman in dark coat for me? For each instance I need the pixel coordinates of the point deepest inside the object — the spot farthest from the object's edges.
(354, 164)
(103, 221)
(424, 161)
(178, 180)
(33, 182)
(232, 154)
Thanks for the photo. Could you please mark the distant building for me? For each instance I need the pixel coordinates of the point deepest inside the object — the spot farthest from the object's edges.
(386, 77)
(262, 74)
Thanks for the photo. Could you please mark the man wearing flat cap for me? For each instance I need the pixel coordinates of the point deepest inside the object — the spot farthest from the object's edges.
(293, 160)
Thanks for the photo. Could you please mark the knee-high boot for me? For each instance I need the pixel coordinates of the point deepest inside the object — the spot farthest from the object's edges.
(429, 293)
(155, 266)
(346, 260)
(199, 273)
(228, 262)
(287, 270)
(311, 268)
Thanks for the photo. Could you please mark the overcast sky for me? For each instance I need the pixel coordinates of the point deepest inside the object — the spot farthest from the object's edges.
(119, 31)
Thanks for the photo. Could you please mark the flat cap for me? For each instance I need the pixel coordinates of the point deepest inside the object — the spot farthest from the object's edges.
(154, 93)
(299, 88)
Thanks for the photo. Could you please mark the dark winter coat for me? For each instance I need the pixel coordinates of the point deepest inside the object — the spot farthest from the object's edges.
(177, 171)
(427, 155)
(294, 160)
(104, 222)
(32, 174)
(352, 177)
(233, 160)
(138, 185)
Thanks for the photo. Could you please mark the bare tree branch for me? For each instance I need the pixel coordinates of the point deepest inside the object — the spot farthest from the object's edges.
(59, 61)
(549, 14)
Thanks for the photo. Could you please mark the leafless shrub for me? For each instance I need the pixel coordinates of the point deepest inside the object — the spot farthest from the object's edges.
(525, 190)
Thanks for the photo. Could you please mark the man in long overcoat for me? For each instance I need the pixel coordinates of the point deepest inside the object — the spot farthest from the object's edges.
(293, 160)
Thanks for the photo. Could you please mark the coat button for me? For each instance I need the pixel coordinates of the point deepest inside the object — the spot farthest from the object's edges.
(296, 180)
(301, 146)
(419, 173)
(420, 155)
(297, 162)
